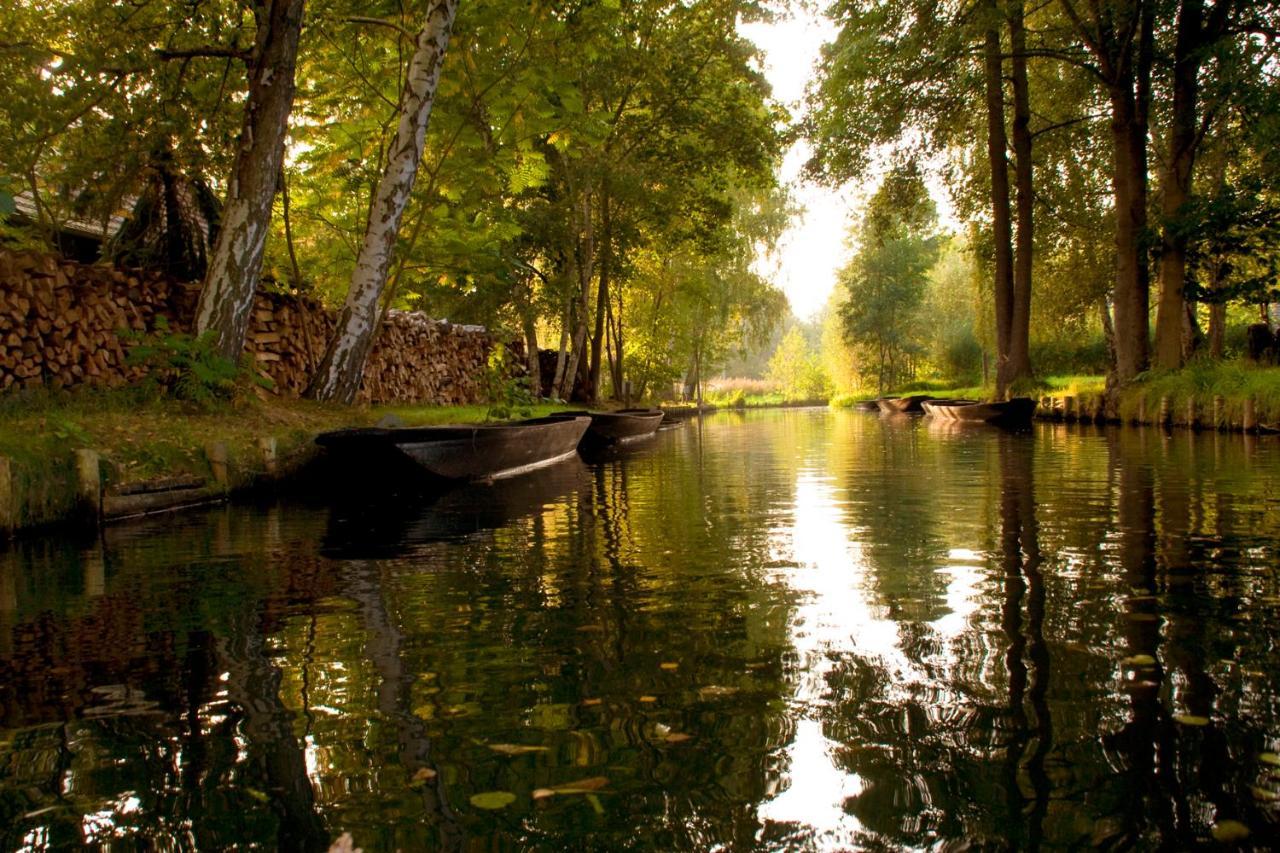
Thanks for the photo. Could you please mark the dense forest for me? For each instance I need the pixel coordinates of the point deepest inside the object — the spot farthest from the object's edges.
(600, 179)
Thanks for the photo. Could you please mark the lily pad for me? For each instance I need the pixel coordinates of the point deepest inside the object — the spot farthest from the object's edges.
(715, 691)
(591, 703)
(493, 799)
(516, 748)
(1266, 795)
(669, 666)
(1191, 720)
(1230, 830)
(422, 777)
(580, 786)
(648, 700)
(1139, 660)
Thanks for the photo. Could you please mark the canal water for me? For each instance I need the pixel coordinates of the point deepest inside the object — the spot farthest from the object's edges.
(801, 629)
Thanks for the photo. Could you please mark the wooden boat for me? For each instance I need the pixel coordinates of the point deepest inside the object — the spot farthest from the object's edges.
(620, 427)
(479, 452)
(1015, 412)
(903, 405)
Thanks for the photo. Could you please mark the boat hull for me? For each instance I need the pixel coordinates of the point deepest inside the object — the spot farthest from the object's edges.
(903, 405)
(461, 453)
(1016, 412)
(621, 427)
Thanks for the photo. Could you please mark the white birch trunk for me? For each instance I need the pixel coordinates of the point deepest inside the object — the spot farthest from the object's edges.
(226, 299)
(341, 369)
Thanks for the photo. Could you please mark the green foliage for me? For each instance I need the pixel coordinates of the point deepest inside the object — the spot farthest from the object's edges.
(797, 368)
(507, 393)
(189, 368)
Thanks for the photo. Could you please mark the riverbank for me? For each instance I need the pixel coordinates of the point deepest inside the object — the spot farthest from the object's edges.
(153, 453)
(1209, 395)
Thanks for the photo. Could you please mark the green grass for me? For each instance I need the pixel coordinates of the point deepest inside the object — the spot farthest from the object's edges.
(1058, 386)
(738, 399)
(1234, 381)
(141, 437)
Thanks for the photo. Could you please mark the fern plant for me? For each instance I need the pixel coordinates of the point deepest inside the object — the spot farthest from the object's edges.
(189, 368)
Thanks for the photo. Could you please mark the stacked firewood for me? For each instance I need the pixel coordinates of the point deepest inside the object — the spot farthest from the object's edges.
(63, 324)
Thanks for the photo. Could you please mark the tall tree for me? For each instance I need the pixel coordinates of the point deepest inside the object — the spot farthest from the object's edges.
(1119, 36)
(226, 299)
(1018, 357)
(341, 368)
(998, 161)
(1195, 35)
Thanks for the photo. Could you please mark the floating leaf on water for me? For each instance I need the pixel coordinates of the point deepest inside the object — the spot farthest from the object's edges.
(677, 737)
(516, 748)
(669, 666)
(1139, 660)
(648, 699)
(423, 776)
(1266, 795)
(425, 712)
(715, 691)
(260, 796)
(580, 786)
(589, 628)
(1270, 758)
(591, 703)
(1191, 719)
(493, 799)
(1230, 830)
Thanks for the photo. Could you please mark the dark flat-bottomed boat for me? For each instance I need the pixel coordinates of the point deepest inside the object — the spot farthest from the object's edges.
(620, 427)
(903, 405)
(1016, 412)
(464, 452)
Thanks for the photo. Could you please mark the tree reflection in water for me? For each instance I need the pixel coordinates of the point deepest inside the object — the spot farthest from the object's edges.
(788, 630)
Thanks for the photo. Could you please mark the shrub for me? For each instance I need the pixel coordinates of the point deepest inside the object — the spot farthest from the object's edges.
(188, 368)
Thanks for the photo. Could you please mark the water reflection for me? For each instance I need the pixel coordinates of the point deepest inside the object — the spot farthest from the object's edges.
(787, 630)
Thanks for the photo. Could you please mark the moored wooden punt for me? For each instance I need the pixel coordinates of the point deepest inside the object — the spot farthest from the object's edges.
(903, 405)
(464, 452)
(1015, 412)
(620, 427)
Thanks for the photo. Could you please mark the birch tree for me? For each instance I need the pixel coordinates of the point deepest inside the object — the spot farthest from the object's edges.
(232, 277)
(341, 369)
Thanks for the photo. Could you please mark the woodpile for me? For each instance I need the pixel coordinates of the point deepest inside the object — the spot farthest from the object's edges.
(64, 324)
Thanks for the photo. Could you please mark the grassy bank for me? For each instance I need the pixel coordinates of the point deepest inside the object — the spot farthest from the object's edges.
(1233, 381)
(140, 438)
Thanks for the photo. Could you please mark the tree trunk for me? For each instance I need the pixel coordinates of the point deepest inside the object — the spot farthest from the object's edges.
(584, 255)
(1171, 350)
(602, 294)
(342, 367)
(1129, 182)
(1002, 235)
(531, 353)
(226, 299)
(561, 355)
(1019, 365)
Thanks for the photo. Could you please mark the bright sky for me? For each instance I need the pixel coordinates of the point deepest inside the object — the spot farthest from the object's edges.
(813, 248)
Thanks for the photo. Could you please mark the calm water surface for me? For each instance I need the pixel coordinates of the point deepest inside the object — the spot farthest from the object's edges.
(786, 630)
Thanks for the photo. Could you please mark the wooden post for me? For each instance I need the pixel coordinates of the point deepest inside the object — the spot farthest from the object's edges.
(1250, 415)
(1141, 415)
(1219, 412)
(216, 453)
(89, 485)
(8, 497)
(1069, 408)
(1193, 413)
(267, 444)
(1165, 414)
